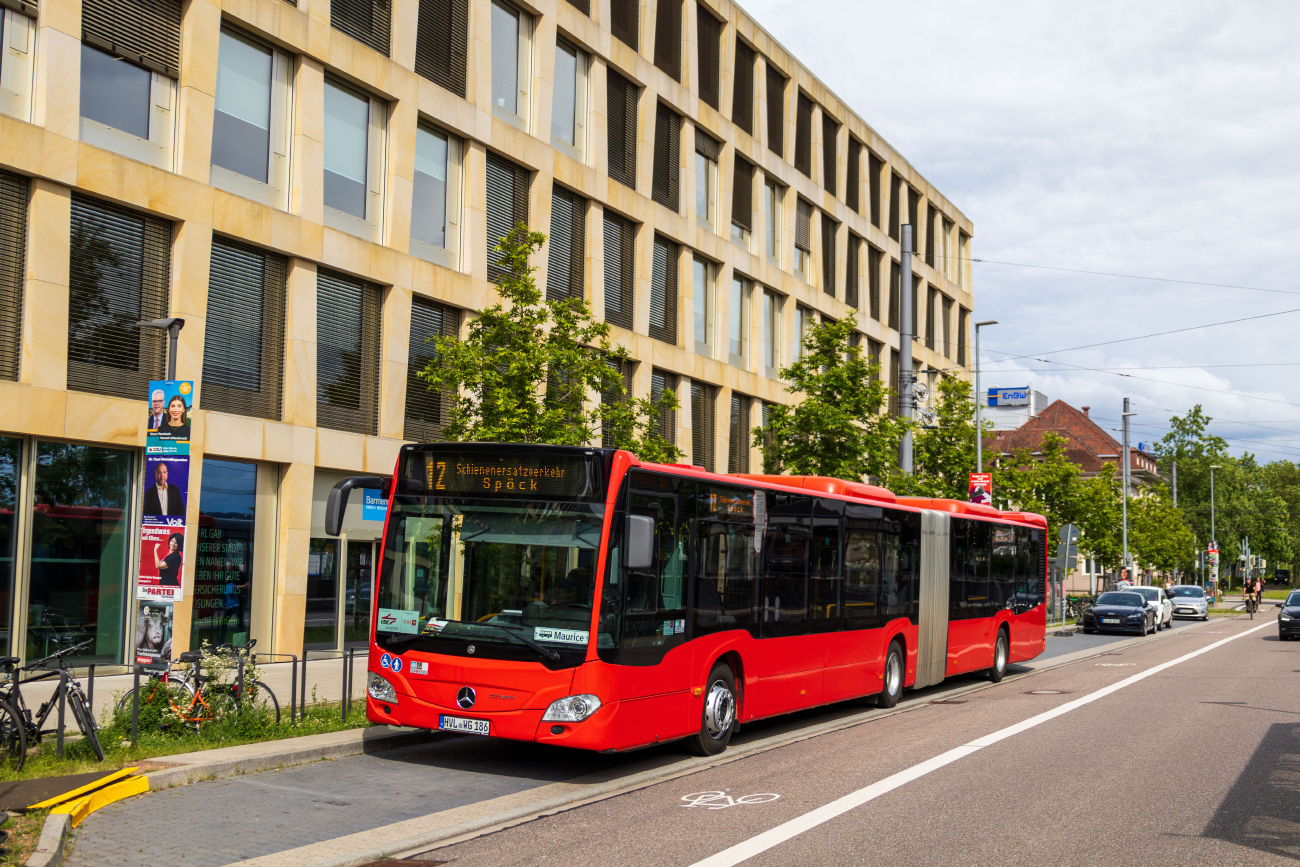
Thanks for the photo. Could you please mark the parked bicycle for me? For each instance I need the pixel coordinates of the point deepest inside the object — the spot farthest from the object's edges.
(197, 698)
(1075, 606)
(18, 725)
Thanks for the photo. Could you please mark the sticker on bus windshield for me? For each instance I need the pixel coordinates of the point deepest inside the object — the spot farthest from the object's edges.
(399, 620)
(563, 636)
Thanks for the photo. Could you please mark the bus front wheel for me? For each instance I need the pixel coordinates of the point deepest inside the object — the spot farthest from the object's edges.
(892, 685)
(1000, 653)
(718, 719)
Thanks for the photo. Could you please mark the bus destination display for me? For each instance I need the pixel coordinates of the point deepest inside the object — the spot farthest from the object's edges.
(487, 474)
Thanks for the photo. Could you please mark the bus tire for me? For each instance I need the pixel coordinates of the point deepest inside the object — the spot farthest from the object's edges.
(718, 717)
(891, 681)
(1001, 652)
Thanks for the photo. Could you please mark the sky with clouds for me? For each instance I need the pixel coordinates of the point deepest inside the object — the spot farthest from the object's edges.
(1158, 139)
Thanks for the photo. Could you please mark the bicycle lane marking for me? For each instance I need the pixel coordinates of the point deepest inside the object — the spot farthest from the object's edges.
(760, 843)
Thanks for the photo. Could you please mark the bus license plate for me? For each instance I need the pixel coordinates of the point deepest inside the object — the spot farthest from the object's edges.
(1110, 620)
(466, 726)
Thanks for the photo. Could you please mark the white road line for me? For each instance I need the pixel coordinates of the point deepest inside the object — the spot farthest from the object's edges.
(793, 828)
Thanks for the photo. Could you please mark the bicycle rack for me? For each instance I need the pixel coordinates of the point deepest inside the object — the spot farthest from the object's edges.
(293, 681)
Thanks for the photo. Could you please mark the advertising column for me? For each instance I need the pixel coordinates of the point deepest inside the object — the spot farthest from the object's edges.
(162, 527)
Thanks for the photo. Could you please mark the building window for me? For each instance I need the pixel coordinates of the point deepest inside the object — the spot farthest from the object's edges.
(802, 239)
(704, 400)
(441, 38)
(914, 215)
(948, 270)
(435, 199)
(243, 335)
(947, 328)
(893, 382)
(707, 151)
(853, 177)
(803, 317)
(742, 92)
(702, 276)
(17, 34)
(895, 206)
(772, 195)
(668, 37)
(771, 334)
(127, 106)
(321, 619)
(427, 410)
(621, 117)
(916, 307)
(625, 22)
(853, 272)
(354, 159)
(224, 576)
(569, 104)
(667, 165)
(663, 291)
(875, 259)
(709, 33)
(620, 251)
(666, 420)
(583, 6)
(775, 111)
(367, 21)
(742, 202)
(830, 229)
(963, 257)
(738, 444)
(511, 69)
(930, 235)
(803, 120)
(895, 294)
(11, 470)
(119, 269)
(83, 520)
(931, 317)
(347, 353)
(830, 132)
(875, 171)
(507, 205)
(963, 326)
(610, 397)
(566, 259)
(250, 131)
(738, 340)
(874, 348)
(13, 264)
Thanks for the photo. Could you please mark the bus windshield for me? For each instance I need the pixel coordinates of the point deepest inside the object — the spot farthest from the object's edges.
(492, 578)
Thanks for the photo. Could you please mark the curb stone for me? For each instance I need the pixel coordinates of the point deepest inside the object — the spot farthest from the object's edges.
(54, 834)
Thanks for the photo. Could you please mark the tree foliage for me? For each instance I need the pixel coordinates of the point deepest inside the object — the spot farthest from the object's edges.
(943, 456)
(533, 370)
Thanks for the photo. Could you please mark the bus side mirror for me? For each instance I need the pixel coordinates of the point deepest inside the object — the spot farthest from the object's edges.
(640, 546)
(337, 503)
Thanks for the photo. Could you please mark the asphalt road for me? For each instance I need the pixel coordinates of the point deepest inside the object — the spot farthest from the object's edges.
(273, 813)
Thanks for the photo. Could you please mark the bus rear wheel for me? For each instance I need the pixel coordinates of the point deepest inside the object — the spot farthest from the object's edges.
(718, 719)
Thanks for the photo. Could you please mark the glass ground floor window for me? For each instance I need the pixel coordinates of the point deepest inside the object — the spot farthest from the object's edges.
(340, 574)
(223, 577)
(320, 624)
(11, 457)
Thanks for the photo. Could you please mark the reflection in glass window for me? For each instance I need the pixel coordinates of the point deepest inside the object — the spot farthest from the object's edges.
(11, 452)
(223, 578)
(771, 333)
(739, 338)
(320, 624)
(703, 301)
(114, 92)
(772, 214)
(505, 58)
(241, 132)
(564, 108)
(429, 211)
(347, 124)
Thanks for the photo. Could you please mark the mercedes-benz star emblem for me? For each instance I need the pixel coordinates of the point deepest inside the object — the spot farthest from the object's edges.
(470, 649)
(465, 698)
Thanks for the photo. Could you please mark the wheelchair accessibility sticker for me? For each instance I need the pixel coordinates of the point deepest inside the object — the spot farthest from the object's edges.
(386, 661)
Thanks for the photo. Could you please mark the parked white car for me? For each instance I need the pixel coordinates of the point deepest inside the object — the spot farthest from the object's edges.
(1190, 601)
(1159, 602)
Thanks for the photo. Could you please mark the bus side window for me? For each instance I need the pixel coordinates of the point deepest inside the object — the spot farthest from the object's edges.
(787, 550)
(824, 576)
(726, 565)
(861, 579)
(1031, 571)
(1004, 565)
(958, 555)
(654, 609)
(900, 574)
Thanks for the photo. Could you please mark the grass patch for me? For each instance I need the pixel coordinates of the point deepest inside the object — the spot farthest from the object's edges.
(1276, 595)
(24, 833)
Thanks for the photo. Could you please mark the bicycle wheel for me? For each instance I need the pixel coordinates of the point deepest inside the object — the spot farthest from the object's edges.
(85, 718)
(13, 740)
(262, 698)
(159, 697)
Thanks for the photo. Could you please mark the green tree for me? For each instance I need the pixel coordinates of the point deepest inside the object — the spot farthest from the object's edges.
(1158, 535)
(943, 455)
(838, 427)
(532, 370)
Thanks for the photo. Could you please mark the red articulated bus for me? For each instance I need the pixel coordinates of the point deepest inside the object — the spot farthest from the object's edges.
(584, 598)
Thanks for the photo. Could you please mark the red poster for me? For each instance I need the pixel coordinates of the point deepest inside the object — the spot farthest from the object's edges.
(162, 561)
(981, 488)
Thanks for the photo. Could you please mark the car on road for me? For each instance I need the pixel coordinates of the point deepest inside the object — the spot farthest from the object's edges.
(1159, 603)
(1288, 619)
(1120, 610)
(1190, 601)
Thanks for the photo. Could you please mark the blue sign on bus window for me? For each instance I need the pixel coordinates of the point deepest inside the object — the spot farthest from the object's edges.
(374, 506)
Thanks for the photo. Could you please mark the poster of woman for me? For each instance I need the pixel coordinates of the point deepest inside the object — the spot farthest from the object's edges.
(153, 636)
(170, 402)
(162, 561)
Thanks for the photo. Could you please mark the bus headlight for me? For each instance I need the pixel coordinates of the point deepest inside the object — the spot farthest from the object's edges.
(381, 689)
(573, 708)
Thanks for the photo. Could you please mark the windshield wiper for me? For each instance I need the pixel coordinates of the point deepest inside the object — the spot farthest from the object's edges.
(403, 638)
(546, 652)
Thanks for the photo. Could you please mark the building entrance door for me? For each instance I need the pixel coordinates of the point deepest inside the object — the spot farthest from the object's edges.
(360, 577)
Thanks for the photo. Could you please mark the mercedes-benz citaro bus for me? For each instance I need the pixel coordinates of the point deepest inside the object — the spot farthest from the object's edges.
(583, 598)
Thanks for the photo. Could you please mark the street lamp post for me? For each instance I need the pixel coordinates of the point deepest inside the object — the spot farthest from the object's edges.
(979, 433)
(1128, 567)
(1214, 536)
(173, 325)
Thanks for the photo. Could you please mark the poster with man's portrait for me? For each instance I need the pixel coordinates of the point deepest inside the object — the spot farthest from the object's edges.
(153, 636)
(167, 480)
(170, 405)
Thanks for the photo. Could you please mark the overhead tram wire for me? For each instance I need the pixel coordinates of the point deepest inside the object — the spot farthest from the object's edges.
(1287, 450)
(1128, 276)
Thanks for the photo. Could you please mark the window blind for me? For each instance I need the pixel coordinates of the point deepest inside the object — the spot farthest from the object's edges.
(619, 272)
(829, 228)
(668, 136)
(610, 397)
(853, 177)
(567, 257)
(874, 260)
(507, 204)
(119, 272)
(875, 171)
(147, 32)
(666, 420)
(704, 398)
(893, 382)
(13, 258)
(853, 272)
(830, 132)
(803, 119)
(243, 334)
(367, 21)
(622, 95)
(775, 111)
(347, 353)
(946, 338)
(895, 294)
(913, 215)
(963, 325)
(625, 21)
(931, 316)
(707, 145)
(427, 411)
(441, 39)
(916, 307)
(583, 6)
(895, 194)
(709, 33)
(663, 291)
(742, 96)
(668, 37)
(929, 234)
(803, 225)
(742, 195)
(738, 446)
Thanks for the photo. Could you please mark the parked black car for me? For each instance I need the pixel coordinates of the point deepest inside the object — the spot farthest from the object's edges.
(1120, 610)
(1288, 619)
